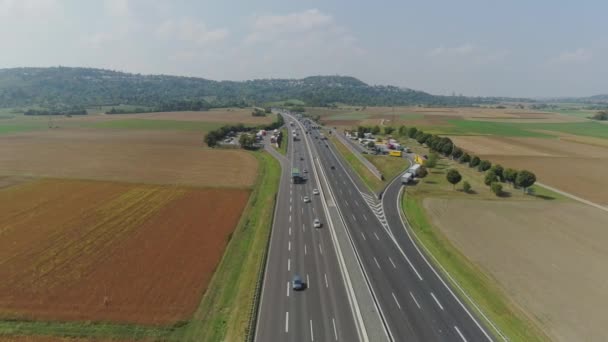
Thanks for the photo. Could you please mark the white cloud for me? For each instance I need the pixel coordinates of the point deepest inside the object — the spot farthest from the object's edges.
(270, 27)
(462, 50)
(189, 30)
(117, 8)
(579, 55)
(26, 8)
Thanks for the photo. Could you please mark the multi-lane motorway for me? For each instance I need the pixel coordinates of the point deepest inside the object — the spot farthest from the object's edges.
(414, 302)
(321, 312)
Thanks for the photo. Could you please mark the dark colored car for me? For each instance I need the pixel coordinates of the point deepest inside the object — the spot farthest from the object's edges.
(297, 283)
(333, 167)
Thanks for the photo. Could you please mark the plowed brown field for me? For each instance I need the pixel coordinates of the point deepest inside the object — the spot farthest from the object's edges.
(86, 250)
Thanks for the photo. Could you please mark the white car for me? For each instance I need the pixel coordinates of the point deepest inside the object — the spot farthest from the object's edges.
(315, 191)
(316, 223)
(306, 199)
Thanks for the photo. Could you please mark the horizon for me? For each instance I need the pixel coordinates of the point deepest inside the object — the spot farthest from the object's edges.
(525, 52)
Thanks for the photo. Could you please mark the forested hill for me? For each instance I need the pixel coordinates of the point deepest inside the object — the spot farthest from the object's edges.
(61, 87)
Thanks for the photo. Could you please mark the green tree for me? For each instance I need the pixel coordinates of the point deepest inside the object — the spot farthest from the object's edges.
(371, 144)
(496, 188)
(510, 175)
(466, 186)
(484, 165)
(389, 130)
(422, 172)
(457, 153)
(411, 132)
(474, 161)
(454, 177)
(431, 162)
(375, 130)
(525, 179)
(499, 171)
(402, 131)
(465, 158)
(490, 178)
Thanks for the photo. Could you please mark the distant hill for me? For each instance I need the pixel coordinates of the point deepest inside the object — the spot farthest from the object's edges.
(81, 87)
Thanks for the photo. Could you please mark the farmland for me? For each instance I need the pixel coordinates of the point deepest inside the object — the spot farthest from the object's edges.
(79, 250)
(117, 225)
(535, 251)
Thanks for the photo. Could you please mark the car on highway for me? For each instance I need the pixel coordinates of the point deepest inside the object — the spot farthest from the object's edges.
(297, 283)
(316, 223)
(315, 191)
(333, 167)
(306, 199)
(305, 171)
(301, 158)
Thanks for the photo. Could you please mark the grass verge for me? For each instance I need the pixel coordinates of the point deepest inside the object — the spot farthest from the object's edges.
(224, 312)
(370, 180)
(511, 321)
(389, 166)
(284, 142)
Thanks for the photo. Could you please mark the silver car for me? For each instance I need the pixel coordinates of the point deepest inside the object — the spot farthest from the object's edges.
(316, 223)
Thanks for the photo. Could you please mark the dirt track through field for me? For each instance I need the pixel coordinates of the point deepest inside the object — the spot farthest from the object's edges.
(81, 250)
(549, 257)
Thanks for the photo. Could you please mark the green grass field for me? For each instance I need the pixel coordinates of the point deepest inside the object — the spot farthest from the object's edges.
(224, 311)
(158, 125)
(349, 116)
(469, 127)
(389, 166)
(371, 181)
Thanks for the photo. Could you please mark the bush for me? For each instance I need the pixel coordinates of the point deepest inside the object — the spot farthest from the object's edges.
(484, 165)
(510, 175)
(490, 178)
(496, 188)
(498, 170)
(466, 186)
(525, 179)
(453, 176)
(431, 162)
(465, 158)
(422, 172)
(474, 161)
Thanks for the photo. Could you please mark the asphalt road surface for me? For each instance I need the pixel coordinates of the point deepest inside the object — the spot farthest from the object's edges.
(320, 312)
(416, 303)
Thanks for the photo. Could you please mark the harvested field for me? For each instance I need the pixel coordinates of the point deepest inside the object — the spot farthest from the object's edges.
(58, 339)
(83, 250)
(575, 167)
(549, 257)
(214, 115)
(133, 156)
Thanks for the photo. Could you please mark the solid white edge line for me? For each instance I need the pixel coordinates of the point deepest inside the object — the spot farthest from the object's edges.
(415, 301)
(396, 301)
(287, 321)
(460, 334)
(477, 308)
(437, 301)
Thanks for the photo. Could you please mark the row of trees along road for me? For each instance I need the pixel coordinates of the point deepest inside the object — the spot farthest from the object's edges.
(213, 137)
(444, 145)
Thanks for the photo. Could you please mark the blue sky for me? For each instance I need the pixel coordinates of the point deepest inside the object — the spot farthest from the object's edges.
(504, 48)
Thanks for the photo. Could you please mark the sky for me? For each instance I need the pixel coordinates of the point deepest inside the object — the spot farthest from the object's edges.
(533, 48)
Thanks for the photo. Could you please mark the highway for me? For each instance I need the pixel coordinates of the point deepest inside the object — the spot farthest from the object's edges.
(321, 312)
(415, 302)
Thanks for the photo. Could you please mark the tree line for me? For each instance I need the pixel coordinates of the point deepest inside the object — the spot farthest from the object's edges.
(57, 111)
(494, 174)
(213, 137)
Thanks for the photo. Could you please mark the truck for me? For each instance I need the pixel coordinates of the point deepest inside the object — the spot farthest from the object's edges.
(291, 123)
(296, 176)
(407, 177)
(414, 169)
(394, 153)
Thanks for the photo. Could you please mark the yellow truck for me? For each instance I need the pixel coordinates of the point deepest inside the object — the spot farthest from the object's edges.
(419, 160)
(394, 153)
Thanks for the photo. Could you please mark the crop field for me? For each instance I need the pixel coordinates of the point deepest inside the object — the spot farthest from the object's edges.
(535, 250)
(123, 155)
(85, 250)
(572, 166)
